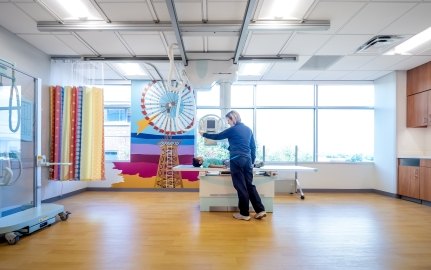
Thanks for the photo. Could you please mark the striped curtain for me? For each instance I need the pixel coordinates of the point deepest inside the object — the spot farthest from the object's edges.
(76, 129)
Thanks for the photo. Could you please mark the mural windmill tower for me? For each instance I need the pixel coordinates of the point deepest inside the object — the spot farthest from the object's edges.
(170, 111)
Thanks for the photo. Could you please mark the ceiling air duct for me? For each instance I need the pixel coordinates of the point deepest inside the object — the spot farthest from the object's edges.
(379, 44)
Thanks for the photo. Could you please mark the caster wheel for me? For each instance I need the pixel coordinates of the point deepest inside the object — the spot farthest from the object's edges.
(302, 197)
(12, 238)
(64, 215)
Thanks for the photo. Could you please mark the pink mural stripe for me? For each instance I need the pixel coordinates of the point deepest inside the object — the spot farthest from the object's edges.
(149, 149)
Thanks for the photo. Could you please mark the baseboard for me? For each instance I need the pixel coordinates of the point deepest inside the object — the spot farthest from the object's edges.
(325, 190)
(143, 189)
(63, 196)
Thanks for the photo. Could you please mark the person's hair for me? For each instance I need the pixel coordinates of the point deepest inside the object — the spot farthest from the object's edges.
(234, 116)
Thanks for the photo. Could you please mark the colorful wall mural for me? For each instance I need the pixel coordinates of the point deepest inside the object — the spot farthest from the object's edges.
(161, 137)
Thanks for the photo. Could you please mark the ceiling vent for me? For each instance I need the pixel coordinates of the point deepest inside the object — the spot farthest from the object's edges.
(379, 44)
(320, 62)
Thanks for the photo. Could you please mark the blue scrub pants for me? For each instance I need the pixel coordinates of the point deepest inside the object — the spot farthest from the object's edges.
(241, 170)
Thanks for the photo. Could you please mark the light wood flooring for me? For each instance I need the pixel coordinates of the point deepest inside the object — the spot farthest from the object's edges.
(166, 230)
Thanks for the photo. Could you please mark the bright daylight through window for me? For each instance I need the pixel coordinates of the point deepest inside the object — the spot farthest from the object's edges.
(117, 121)
(328, 123)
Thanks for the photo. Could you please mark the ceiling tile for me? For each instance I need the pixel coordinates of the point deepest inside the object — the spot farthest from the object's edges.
(325, 11)
(105, 43)
(35, 11)
(15, 20)
(226, 10)
(331, 75)
(304, 43)
(305, 75)
(127, 12)
(48, 44)
(145, 44)
(162, 11)
(375, 17)
(412, 22)
(75, 44)
(193, 43)
(265, 44)
(343, 44)
(351, 62)
(368, 75)
(411, 62)
(383, 62)
(222, 43)
(189, 11)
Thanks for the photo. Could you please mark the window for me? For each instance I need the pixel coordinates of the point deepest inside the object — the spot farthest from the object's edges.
(284, 95)
(117, 114)
(327, 123)
(117, 121)
(280, 130)
(345, 123)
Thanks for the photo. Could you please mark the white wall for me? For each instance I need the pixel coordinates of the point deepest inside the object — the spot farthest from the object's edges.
(331, 176)
(37, 64)
(385, 130)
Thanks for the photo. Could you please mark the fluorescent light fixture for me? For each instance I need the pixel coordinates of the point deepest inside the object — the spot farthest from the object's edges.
(81, 10)
(131, 69)
(252, 69)
(413, 44)
(284, 9)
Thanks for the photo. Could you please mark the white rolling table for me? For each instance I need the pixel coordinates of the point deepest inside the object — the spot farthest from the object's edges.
(216, 189)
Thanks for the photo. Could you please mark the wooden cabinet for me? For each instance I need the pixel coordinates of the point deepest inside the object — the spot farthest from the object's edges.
(419, 96)
(425, 179)
(419, 79)
(408, 181)
(417, 109)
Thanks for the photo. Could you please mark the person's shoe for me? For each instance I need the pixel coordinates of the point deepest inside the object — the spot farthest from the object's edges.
(239, 216)
(260, 215)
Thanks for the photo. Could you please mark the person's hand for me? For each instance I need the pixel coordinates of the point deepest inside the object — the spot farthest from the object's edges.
(201, 132)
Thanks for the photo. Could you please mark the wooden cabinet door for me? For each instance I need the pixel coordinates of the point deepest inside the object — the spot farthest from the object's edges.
(408, 181)
(425, 180)
(419, 79)
(412, 81)
(417, 110)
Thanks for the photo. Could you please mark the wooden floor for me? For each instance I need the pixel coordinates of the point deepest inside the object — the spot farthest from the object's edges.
(166, 230)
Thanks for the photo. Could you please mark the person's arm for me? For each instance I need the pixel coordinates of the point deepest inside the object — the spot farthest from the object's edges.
(252, 149)
(217, 136)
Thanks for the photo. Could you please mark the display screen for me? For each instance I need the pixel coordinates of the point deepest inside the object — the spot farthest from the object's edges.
(211, 124)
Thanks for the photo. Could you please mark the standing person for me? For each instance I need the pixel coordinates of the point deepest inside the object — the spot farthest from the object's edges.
(242, 151)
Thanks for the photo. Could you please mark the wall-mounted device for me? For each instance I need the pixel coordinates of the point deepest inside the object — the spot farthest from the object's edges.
(211, 123)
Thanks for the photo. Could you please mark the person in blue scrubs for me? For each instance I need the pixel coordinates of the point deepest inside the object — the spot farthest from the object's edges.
(242, 152)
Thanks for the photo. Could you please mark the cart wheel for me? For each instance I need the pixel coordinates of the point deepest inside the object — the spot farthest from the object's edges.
(64, 215)
(12, 238)
(302, 197)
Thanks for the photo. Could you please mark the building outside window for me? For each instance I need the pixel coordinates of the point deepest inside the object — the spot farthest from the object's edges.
(117, 121)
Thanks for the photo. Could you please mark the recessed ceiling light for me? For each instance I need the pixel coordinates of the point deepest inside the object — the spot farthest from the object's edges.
(252, 69)
(75, 10)
(131, 69)
(414, 44)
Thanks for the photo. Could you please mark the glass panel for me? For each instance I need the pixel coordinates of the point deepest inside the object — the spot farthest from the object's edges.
(345, 135)
(212, 154)
(346, 95)
(285, 95)
(280, 130)
(208, 98)
(241, 96)
(117, 99)
(16, 141)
